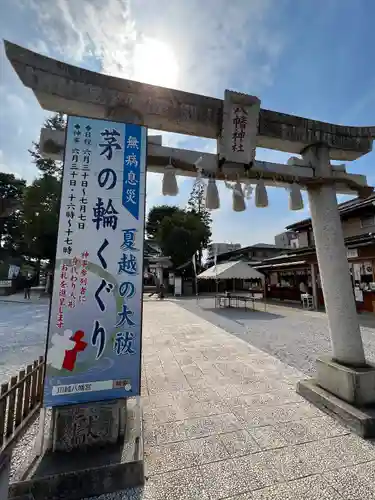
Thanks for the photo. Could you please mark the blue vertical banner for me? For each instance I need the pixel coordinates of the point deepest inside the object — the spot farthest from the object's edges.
(94, 337)
(132, 171)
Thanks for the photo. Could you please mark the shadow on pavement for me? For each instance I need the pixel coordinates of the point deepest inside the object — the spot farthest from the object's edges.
(241, 316)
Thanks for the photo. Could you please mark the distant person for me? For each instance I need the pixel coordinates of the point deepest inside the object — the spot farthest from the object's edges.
(28, 287)
(302, 289)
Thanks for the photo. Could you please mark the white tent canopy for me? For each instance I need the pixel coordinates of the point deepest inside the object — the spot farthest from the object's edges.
(231, 270)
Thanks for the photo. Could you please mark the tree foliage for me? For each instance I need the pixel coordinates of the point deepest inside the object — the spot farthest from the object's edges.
(11, 193)
(196, 202)
(155, 216)
(46, 165)
(11, 201)
(41, 217)
(29, 214)
(42, 200)
(196, 205)
(180, 233)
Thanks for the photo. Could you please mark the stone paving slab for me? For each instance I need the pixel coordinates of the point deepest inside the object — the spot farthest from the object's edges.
(222, 420)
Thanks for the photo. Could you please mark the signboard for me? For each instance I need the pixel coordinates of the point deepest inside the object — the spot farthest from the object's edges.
(351, 253)
(358, 294)
(240, 127)
(13, 271)
(94, 338)
(5, 283)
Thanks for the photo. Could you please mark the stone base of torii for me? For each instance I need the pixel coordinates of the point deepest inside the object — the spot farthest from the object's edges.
(345, 382)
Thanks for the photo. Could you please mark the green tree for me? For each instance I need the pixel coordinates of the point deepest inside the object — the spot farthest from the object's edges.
(196, 205)
(180, 235)
(156, 215)
(41, 216)
(46, 165)
(42, 201)
(11, 222)
(11, 193)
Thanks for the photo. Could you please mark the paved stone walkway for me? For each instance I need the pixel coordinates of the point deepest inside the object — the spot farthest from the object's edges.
(222, 420)
(19, 298)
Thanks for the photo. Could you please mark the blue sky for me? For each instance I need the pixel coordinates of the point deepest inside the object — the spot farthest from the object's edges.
(313, 58)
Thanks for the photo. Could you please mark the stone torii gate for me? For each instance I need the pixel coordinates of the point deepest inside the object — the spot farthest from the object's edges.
(72, 90)
(345, 382)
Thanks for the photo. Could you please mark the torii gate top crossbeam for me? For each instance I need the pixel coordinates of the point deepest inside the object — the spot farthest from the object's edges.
(76, 91)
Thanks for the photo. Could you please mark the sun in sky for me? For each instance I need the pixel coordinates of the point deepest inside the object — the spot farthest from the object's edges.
(155, 63)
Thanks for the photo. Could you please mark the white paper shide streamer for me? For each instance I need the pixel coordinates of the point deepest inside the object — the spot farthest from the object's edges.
(248, 190)
(170, 186)
(212, 195)
(238, 200)
(261, 196)
(240, 192)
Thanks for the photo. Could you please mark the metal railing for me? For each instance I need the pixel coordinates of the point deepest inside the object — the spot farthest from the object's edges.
(20, 401)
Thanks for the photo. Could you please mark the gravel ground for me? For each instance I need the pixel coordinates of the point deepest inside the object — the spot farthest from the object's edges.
(24, 450)
(294, 336)
(130, 494)
(23, 329)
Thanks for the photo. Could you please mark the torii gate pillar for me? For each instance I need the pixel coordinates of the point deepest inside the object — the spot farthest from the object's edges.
(347, 347)
(344, 381)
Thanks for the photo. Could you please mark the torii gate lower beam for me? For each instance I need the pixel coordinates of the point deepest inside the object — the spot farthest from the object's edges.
(52, 143)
